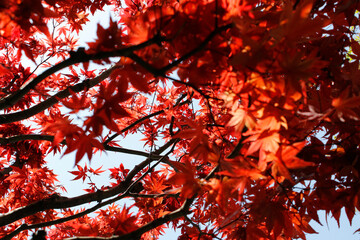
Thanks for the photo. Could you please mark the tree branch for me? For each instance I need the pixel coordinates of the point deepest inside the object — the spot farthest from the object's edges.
(145, 118)
(162, 71)
(125, 193)
(180, 212)
(59, 202)
(18, 138)
(131, 151)
(21, 115)
(50, 138)
(197, 49)
(78, 57)
(84, 57)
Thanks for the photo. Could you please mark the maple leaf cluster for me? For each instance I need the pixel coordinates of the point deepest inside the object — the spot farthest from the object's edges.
(248, 112)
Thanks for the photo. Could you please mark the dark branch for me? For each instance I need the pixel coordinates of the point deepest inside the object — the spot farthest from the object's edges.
(180, 212)
(50, 138)
(83, 57)
(145, 118)
(128, 185)
(197, 49)
(58, 202)
(17, 116)
(18, 138)
(12, 99)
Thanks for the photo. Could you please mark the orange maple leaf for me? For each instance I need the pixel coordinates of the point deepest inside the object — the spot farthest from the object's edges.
(76, 103)
(83, 144)
(186, 178)
(286, 159)
(241, 118)
(62, 127)
(199, 145)
(344, 106)
(265, 142)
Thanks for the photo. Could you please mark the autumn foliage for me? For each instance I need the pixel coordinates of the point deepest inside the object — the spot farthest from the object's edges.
(248, 113)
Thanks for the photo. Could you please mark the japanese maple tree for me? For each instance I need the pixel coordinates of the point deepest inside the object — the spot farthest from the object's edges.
(248, 110)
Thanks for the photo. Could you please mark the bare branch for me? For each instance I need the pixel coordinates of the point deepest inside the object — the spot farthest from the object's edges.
(18, 138)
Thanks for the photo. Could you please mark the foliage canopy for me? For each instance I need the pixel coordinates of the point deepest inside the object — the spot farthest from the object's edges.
(230, 97)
